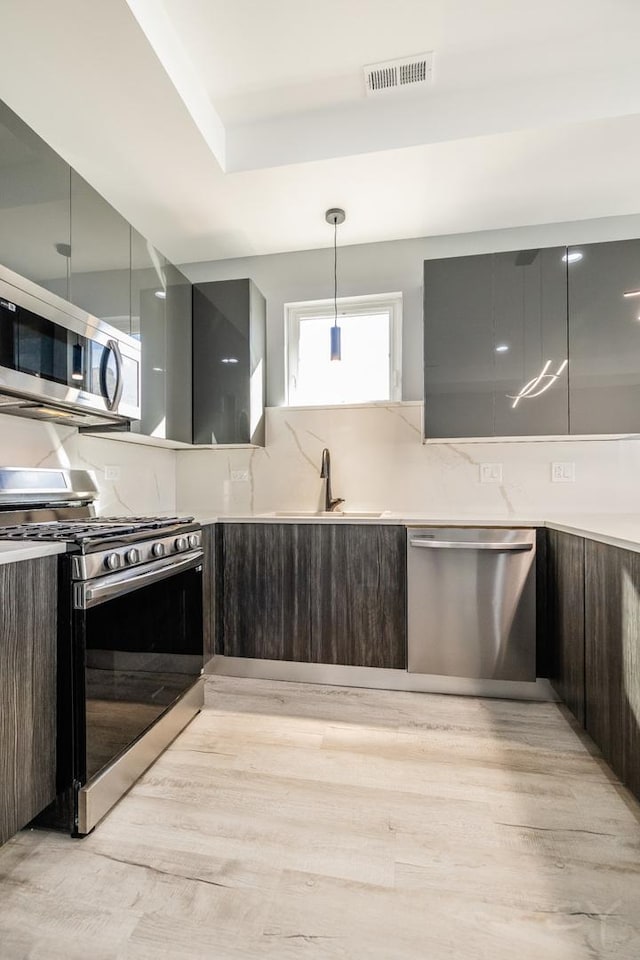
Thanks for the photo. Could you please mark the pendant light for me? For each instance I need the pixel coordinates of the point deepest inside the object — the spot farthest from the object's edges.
(335, 216)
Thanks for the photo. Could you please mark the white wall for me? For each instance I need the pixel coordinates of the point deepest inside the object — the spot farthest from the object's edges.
(147, 481)
(382, 268)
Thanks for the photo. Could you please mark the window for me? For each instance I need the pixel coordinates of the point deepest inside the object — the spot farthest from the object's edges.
(371, 342)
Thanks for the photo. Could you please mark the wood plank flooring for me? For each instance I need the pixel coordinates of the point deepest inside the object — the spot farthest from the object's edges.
(292, 821)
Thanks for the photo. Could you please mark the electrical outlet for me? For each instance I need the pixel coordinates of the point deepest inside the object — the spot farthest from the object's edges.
(240, 476)
(490, 473)
(563, 472)
(112, 473)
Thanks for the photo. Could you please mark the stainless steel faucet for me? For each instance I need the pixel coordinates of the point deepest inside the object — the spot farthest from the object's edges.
(325, 472)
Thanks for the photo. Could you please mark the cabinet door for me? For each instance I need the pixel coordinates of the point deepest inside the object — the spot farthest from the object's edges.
(604, 337)
(565, 559)
(209, 590)
(35, 228)
(458, 347)
(612, 656)
(530, 343)
(100, 256)
(28, 614)
(495, 344)
(178, 356)
(221, 362)
(358, 595)
(264, 596)
(149, 325)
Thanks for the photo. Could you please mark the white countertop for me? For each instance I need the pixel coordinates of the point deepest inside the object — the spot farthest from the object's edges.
(619, 530)
(12, 551)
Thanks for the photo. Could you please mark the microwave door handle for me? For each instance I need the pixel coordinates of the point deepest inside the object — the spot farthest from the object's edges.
(111, 402)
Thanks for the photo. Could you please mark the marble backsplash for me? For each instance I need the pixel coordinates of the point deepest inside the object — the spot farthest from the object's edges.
(147, 477)
(380, 463)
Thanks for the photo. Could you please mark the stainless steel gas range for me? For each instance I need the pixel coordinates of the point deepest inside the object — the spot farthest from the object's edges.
(129, 634)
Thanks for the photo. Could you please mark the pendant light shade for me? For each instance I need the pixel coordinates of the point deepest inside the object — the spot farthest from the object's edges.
(336, 353)
(335, 216)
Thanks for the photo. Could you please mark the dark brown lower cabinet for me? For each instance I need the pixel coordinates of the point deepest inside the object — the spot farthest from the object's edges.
(209, 590)
(28, 612)
(264, 590)
(317, 593)
(565, 566)
(358, 586)
(612, 656)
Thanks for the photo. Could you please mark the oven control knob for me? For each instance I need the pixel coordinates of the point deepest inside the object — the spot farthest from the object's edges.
(181, 544)
(158, 549)
(194, 541)
(112, 561)
(132, 556)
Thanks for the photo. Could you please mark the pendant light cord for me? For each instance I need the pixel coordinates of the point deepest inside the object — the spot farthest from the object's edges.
(335, 271)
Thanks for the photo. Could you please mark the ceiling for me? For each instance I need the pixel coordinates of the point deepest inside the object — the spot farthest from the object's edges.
(225, 129)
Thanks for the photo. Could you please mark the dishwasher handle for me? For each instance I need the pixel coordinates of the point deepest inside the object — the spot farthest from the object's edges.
(471, 545)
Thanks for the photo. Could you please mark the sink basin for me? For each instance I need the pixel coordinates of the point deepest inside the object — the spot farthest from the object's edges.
(327, 515)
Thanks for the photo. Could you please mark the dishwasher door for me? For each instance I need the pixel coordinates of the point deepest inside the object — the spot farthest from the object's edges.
(471, 602)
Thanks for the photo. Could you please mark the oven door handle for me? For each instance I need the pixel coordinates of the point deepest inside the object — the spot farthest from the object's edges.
(94, 592)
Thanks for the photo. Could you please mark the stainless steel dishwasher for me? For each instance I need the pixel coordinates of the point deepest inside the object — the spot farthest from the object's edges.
(471, 602)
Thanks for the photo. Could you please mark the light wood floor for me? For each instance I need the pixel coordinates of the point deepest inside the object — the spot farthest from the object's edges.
(293, 821)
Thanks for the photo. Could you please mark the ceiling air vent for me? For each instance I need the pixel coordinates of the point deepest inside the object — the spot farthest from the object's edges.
(408, 73)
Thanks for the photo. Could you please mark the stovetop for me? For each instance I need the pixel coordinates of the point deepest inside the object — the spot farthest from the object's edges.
(95, 530)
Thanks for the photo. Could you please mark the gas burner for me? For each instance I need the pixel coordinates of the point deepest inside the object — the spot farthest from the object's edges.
(90, 530)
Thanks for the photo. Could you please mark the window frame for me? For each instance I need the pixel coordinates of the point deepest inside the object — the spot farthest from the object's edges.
(350, 306)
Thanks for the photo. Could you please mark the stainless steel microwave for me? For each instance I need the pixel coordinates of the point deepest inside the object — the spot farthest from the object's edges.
(59, 363)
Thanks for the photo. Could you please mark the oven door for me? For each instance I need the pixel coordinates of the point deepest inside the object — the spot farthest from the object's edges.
(138, 652)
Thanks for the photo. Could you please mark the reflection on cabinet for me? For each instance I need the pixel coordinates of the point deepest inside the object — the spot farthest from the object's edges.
(100, 256)
(35, 237)
(228, 362)
(494, 323)
(565, 560)
(27, 691)
(604, 337)
(612, 656)
(321, 593)
(358, 595)
(264, 609)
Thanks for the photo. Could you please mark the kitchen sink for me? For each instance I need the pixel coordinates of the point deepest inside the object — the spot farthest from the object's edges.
(324, 514)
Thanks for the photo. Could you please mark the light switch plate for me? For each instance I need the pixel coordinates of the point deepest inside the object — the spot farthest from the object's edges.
(490, 473)
(112, 473)
(563, 472)
(240, 476)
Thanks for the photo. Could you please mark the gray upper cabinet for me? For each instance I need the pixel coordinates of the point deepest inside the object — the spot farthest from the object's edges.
(161, 320)
(100, 256)
(148, 324)
(35, 233)
(604, 337)
(458, 347)
(495, 345)
(178, 306)
(228, 362)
